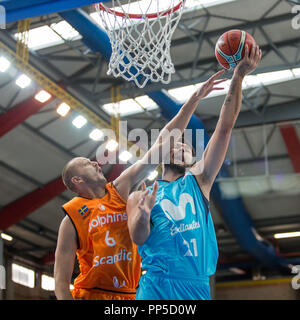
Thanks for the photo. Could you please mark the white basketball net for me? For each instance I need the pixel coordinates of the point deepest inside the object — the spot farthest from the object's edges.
(141, 41)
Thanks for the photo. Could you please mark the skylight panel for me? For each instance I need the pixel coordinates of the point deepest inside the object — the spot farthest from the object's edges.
(153, 175)
(274, 77)
(183, 92)
(43, 37)
(4, 64)
(250, 81)
(126, 107)
(296, 72)
(23, 276)
(47, 283)
(146, 102)
(192, 4)
(66, 30)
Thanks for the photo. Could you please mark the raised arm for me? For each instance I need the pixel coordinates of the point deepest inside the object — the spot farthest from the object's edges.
(139, 171)
(64, 259)
(139, 206)
(214, 154)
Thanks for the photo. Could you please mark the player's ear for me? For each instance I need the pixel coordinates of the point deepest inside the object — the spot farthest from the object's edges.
(76, 180)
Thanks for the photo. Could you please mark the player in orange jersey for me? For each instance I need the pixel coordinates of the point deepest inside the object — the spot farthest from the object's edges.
(95, 226)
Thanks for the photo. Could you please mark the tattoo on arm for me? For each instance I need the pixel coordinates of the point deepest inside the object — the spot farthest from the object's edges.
(231, 92)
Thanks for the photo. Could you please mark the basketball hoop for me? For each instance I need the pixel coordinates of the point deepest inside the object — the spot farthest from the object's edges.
(140, 33)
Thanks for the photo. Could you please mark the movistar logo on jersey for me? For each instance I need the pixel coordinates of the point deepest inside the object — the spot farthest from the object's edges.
(178, 212)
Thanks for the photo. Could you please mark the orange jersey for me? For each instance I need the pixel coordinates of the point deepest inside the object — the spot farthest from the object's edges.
(107, 257)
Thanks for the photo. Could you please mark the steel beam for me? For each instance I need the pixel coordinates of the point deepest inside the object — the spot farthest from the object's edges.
(19, 10)
(20, 113)
(242, 26)
(292, 143)
(265, 47)
(21, 208)
(280, 112)
(49, 258)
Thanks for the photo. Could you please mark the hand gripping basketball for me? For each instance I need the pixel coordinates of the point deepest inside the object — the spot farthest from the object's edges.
(231, 46)
(250, 61)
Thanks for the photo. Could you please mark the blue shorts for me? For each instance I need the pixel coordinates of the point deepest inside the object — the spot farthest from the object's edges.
(154, 286)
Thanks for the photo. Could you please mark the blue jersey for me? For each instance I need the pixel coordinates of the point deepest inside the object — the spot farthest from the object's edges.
(182, 242)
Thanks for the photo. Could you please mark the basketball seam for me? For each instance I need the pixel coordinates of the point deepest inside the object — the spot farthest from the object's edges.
(226, 63)
(241, 33)
(245, 42)
(230, 47)
(228, 42)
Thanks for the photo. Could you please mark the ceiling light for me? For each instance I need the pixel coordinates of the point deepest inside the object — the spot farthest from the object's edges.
(96, 134)
(79, 122)
(153, 175)
(23, 81)
(42, 96)
(112, 145)
(125, 156)
(4, 64)
(63, 109)
(287, 235)
(6, 237)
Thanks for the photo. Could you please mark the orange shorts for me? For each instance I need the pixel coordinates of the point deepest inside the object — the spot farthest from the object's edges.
(97, 294)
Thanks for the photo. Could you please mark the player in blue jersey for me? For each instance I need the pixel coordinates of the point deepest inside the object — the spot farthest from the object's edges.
(172, 225)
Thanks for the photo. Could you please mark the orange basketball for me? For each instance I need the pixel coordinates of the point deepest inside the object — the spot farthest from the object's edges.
(230, 47)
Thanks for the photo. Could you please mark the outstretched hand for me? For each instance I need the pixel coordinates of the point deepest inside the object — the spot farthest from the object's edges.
(147, 201)
(210, 85)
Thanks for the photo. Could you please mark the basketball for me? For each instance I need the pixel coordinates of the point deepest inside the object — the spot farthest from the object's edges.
(230, 47)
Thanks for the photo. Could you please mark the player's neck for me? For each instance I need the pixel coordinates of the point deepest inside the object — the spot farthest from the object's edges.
(93, 192)
(171, 175)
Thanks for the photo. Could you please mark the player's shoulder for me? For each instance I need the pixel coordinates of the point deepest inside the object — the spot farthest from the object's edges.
(75, 201)
(187, 178)
(113, 195)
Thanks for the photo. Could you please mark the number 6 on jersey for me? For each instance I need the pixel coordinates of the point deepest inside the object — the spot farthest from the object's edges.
(110, 241)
